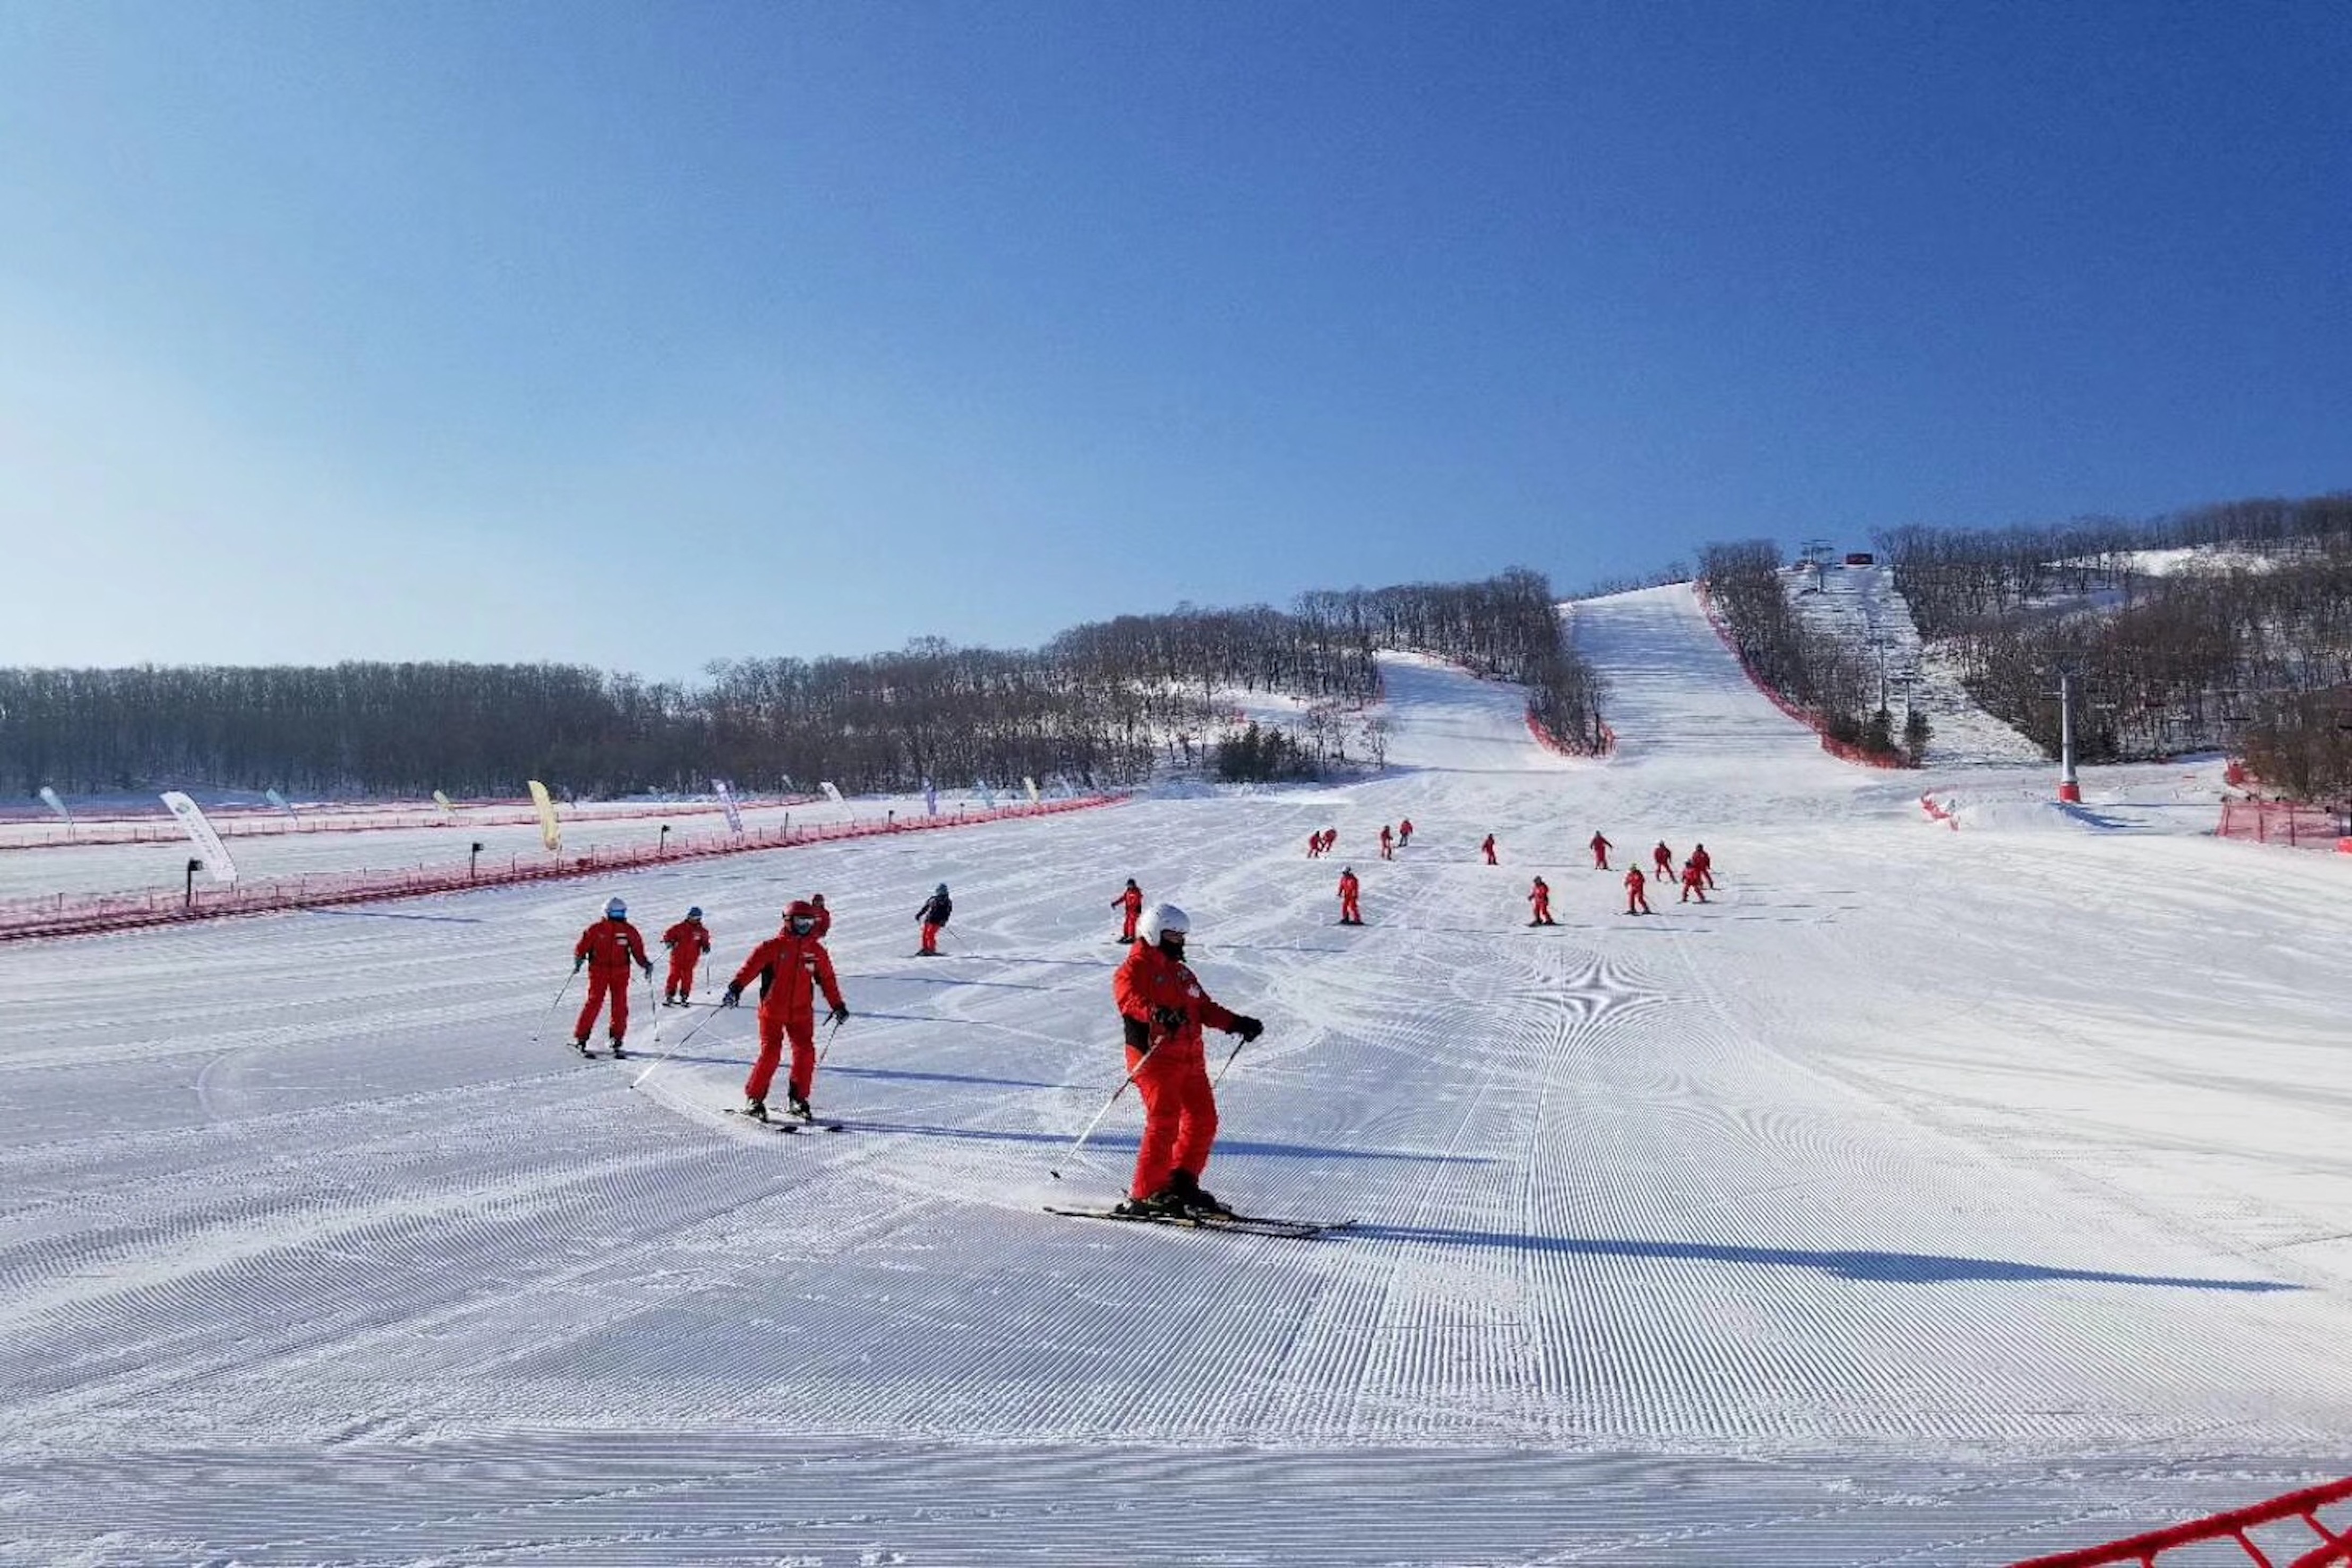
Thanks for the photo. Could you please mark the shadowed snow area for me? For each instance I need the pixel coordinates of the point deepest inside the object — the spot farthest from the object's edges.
(1929, 1196)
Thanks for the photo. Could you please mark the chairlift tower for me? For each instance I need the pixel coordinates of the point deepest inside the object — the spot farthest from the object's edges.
(2070, 790)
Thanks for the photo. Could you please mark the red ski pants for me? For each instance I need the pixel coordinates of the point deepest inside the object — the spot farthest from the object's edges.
(1348, 910)
(773, 1027)
(1127, 932)
(930, 937)
(1180, 1113)
(1490, 857)
(1543, 910)
(681, 972)
(1600, 860)
(1636, 902)
(600, 986)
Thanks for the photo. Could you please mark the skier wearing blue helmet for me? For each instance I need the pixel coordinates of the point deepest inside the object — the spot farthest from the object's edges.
(687, 941)
(608, 947)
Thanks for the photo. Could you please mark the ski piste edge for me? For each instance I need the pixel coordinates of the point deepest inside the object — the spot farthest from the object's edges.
(1234, 1224)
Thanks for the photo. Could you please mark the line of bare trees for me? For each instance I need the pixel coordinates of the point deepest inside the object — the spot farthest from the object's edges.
(1810, 667)
(1101, 703)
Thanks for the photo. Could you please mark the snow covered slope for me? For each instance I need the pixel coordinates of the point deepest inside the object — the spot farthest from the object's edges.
(1930, 1196)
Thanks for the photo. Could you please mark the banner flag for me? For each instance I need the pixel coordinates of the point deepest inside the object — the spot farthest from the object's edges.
(442, 801)
(49, 799)
(551, 831)
(727, 804)
(987, 794)
(930, 799)
(1030, 784)
(208, 844)
(832, 794)
(278, 801)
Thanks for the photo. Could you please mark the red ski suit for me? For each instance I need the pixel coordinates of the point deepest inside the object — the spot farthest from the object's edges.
(687, 941)
(1349, 888)
(789, 969)
(610, 947)
(1490, 847)
(1180, 1112)
(1540, 897)
(1131, 903)
(1694, 881)
(1314, 845)
(1664, 859)
(1404, 832)
(1388, 843)
(1637, 891)
(1705, 862)
(1601, 848)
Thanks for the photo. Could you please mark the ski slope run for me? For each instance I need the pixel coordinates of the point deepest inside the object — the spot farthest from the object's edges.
(1929, 1197)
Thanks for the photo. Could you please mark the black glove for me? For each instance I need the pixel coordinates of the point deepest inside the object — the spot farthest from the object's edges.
(1248, 1027)
(839, 1015)
(1169, 1019)
(734, 994)
(648, 970)
(576, 963)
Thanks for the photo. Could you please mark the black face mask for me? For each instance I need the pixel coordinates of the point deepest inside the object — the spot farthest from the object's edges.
(802, 926)
(1173, 946)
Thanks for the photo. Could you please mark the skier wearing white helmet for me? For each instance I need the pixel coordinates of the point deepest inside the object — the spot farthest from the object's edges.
(607, 948)
(1163, 1009)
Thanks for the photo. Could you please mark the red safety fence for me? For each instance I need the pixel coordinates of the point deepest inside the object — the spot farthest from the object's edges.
(247, 822)
(75, 914)
(2297, 824)
(1845, 751)
(2297, 1508)
(1545, 738)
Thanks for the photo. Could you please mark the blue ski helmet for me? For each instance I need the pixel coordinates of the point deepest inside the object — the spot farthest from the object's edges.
(941, 890)
(695, 912)
(616, 910)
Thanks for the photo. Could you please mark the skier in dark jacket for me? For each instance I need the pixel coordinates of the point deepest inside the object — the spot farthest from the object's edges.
(934, 917)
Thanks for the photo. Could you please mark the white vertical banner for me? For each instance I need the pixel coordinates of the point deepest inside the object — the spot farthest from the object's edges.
(833, 793)
(442, 801)
(551, 831)
(987, 794)
(208, 844)
(278, 801)
(930, 799)
(1030, 784)
(49, 799)
(727, 804)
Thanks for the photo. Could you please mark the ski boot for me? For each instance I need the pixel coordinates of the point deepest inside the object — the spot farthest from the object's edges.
(580, 1045)
(799, 1106)
(1163, 1205)
(756, 1109)
(618, 1053)
(1192, 1197)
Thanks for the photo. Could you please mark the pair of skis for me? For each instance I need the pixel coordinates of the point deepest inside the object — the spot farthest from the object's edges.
(1234, 1224)
(787, 1122)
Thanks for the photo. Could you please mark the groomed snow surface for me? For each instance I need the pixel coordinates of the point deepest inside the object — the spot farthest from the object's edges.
(1931, 1197)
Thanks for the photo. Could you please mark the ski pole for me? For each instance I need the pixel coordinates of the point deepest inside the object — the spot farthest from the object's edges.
(670, 1052)
(1077, 1148)
(541, 1027)
(826, 1048)
(1228, 1061)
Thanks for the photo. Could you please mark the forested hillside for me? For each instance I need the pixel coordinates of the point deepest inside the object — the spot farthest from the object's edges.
(1102, 703)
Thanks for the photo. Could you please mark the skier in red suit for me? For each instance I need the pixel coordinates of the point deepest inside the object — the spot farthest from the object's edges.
(687, 941)
(1488, 847)
(1540, 897)
(1388, 842)
(1601, 848)
(1664, 859)
(1705, 862)
(823, 916)
(1349, 888)
(1694, 881)
(1314, 846)
(608, 949)
(1163, 1009)
(1404, 833)
(1131, 903)
(791, 967)
(1637, 891)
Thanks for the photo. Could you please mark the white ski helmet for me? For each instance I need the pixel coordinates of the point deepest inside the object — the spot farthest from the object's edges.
(1161, 920)
(616, 910)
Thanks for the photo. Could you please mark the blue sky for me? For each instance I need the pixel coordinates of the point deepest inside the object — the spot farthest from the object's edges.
(645, 335)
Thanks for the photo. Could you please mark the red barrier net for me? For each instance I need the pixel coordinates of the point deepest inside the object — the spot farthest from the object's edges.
(250, 822)
(2295, 823)
(73, 914)
(2290, 1526)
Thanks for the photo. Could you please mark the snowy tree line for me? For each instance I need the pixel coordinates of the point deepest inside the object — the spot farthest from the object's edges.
(2250, 650)
(1101, 703)
(1810, 667)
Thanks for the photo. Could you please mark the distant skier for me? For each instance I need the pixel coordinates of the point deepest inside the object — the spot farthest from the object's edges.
(1601, 848)
(1349, 888)
(791, 966)
(1637, 891)
(608, 949)
(1664, 859)
(1131, 903)
(823, 916)
(687, 941)
(1694, 881)
(1315, 845)
(1705, 862)
(1388, 842)
(1162, 1010)
(1487, 849)
(1404, 832)
(1540, 897)
(934, 919)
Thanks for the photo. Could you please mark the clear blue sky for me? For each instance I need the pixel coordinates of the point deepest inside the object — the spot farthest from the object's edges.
(643, 335)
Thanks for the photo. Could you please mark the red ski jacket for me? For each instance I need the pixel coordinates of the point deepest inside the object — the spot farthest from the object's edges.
(1150, 981)
(789, 969)
(690, 934)
(610, 946)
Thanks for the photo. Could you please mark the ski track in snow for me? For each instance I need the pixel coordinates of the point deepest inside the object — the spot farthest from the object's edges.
(1929, 1198)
